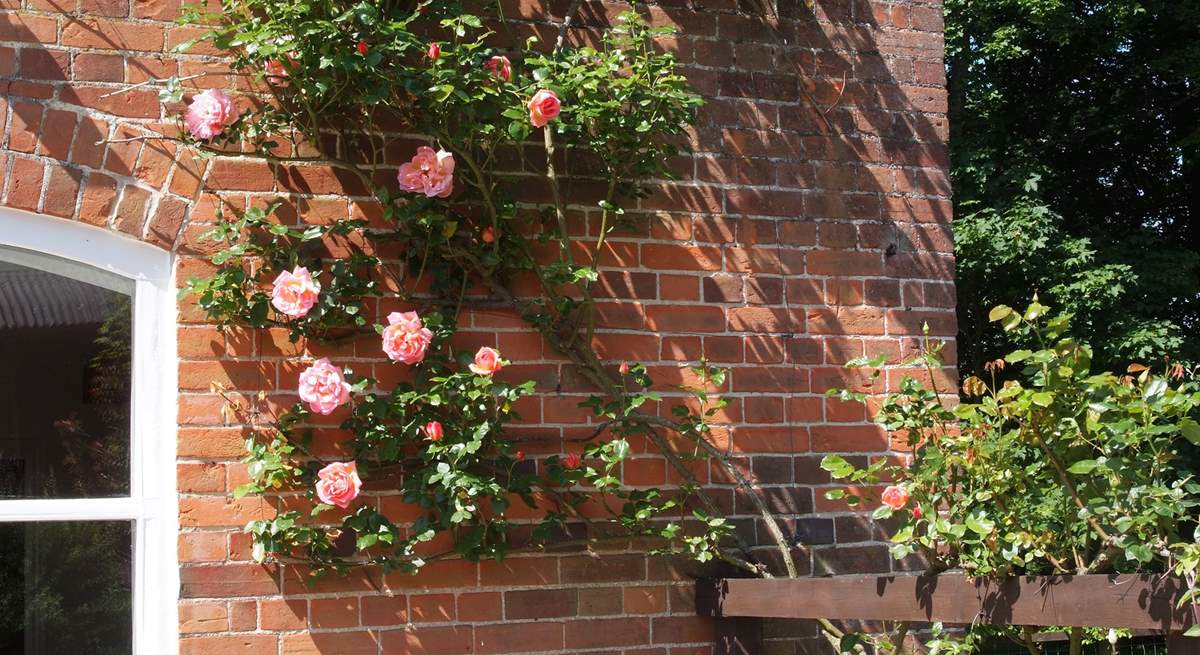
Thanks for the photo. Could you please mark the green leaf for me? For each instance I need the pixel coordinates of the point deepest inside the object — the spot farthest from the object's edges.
(1043, 398)
(999, 312)
(1193, 631)
(837, 466)
(1190, 430)
(882, 512)
(979, 524)
(1083, 466)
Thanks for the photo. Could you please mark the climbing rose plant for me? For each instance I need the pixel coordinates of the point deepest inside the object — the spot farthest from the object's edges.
(1046, 467)
(346, 85)
(510, 141)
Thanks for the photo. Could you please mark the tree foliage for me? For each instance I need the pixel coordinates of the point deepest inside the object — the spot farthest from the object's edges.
(1076, 166)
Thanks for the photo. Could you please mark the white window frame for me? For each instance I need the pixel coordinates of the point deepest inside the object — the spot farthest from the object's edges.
(152, 504)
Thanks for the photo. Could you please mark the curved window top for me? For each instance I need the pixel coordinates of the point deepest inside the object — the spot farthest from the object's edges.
(102, 251)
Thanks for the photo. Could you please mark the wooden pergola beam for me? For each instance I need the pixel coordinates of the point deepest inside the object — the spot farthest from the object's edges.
(1118, 601)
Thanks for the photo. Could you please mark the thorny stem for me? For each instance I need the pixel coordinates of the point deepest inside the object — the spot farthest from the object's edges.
(1027, 637)
(1065, 478)
(898, 639)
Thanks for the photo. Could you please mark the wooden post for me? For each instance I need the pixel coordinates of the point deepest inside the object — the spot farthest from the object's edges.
(734, 635)
(1177, 644)
(742, 636)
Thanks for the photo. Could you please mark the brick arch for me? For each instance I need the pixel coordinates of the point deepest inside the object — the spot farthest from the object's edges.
(72, 162)
(74, 110)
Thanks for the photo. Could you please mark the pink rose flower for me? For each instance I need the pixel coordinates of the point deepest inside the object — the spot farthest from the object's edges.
(433, 431)
(487, 361)
(488, 235)
(435, 51)
(429, 172)
(500, 67)
(295, 293)
(624, 368)
(895, 496)
(917, 513)
(209, 114)
(519, 455)
(406, 339)
(276, 72)
(572, 461)
(338, 484)
(543, 107)
(323, 387)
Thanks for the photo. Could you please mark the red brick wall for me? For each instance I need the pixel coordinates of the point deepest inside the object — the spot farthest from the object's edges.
(787, 247)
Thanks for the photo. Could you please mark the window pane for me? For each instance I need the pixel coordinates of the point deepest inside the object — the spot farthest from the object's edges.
(65, 362)
(66, 588)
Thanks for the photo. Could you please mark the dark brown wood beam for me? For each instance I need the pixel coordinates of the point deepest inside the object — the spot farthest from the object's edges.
(1119, 601)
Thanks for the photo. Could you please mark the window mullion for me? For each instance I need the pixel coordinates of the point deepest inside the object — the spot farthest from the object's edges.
(71, 509)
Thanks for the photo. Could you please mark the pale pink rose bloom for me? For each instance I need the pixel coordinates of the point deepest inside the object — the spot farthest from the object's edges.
(406, 339)
(895, 496)
(295, 293)
(429, 172)
(435, 51)
(572, 461)
(338, 484)
(323, 387)
(624, 368)
(543, 107)
(500, 67)
(209, 114)
(487, 361)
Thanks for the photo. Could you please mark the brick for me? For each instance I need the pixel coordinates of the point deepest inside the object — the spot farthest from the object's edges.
(103, 34)
(135, 103)
(87, 149)
(58, 130)
(131, 210)
(62, 191)
(319, 643)
(165, 224)
(99, 198)
(27, 28)
(164, 10)
(114, 8)
(518, 637)
(26, 126)
(607, 633)
(385, 610)
(540, 603)
(39, 64)
(8, 65)
(25, 184)
(226, 580)
(219, 645)
(333, 612)
(240, 175)
(97, 67)
(429, 640)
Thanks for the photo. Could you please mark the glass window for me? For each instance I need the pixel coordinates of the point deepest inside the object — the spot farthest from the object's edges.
(66, 587)
(65, 377)
(87, 401)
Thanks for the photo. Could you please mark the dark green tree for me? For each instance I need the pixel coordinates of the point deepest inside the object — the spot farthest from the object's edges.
(1075, 145)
